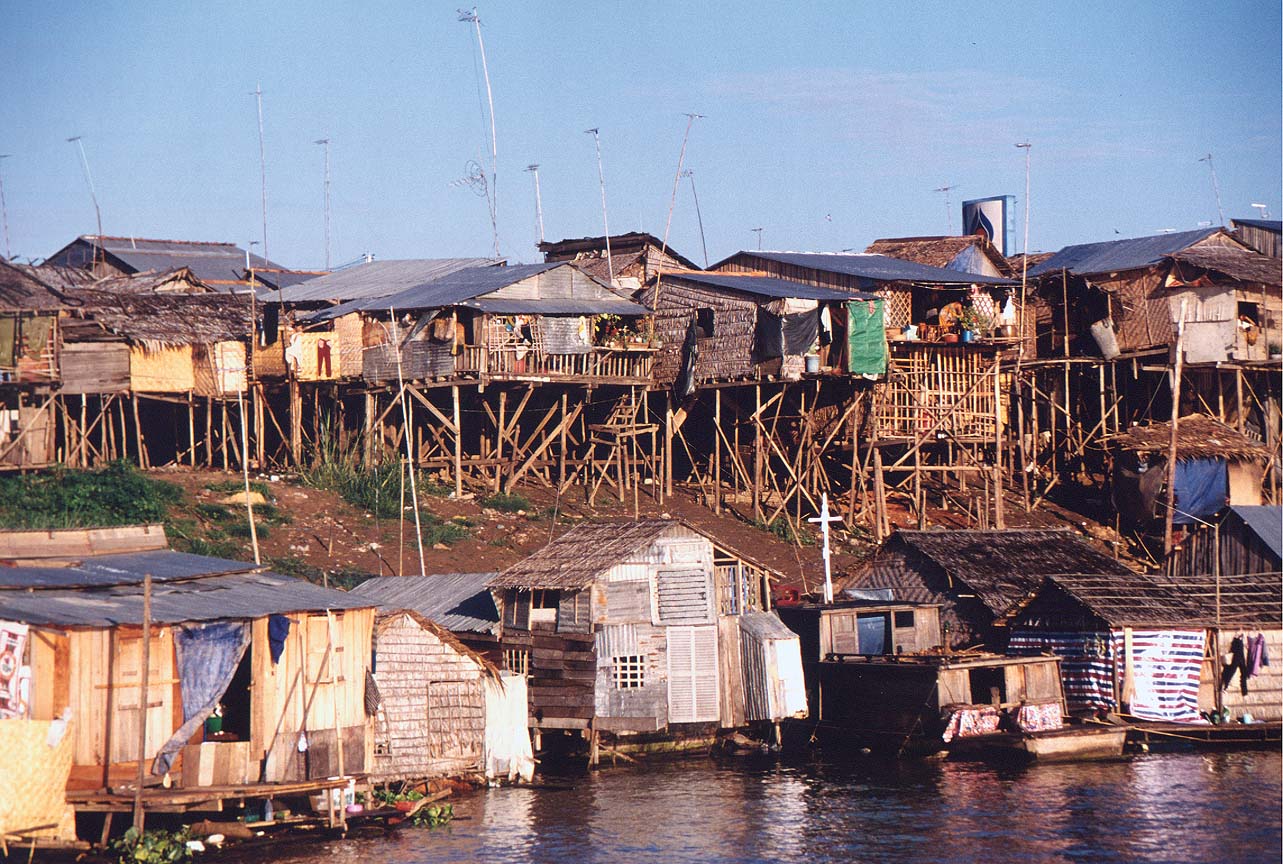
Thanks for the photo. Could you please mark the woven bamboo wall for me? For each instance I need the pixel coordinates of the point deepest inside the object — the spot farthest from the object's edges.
(162, 370)
(433, 720)
(727, 354)
(219, 369)
(1264, 699)
(33, 776)
(348, 331)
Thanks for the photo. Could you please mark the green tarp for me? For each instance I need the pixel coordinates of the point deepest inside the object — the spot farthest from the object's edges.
(866, 338)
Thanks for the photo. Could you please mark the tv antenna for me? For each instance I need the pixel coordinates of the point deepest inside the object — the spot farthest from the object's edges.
(1216, 187)
(948, 203)
(325, 142)
(689, 174)
(4, 212)
(1263, 209)
(601, 179)
(79, 141)
(262, 161)
(677, 176)
(470, 16)
(533, 168)
(758, 232)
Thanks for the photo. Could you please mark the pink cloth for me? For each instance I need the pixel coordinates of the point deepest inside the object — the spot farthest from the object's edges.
(969, 722)
(1039, 718)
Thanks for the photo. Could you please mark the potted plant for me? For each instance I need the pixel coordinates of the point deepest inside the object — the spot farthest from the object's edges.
(967, 323)
(214, 722)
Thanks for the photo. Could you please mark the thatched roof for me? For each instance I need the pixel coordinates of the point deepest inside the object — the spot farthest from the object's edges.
(386, 617)
(168, 319)
(180, 280)
(937, 251)
(21, 290)
(1130, 601)
(1248, 599)
(1243, 265)
(1002, 568)
(1197, 437)
(579, 556)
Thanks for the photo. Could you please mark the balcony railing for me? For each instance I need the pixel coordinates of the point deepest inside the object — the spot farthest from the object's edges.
(600, 362)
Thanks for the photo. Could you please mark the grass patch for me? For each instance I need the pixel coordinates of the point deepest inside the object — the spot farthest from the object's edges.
(784, 531)
(336, 469)
(237, 487)
(212, 548)
(241, 529)
(507, 503)
(446, 532)
(118, 494)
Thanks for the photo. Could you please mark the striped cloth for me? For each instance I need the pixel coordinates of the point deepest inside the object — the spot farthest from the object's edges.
(1167, 666)
(1086, 667)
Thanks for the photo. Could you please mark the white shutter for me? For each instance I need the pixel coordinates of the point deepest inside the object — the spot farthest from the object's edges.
(692, 674)
(684, 596)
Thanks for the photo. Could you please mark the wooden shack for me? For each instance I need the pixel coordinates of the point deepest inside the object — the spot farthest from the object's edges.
(1158, 649)
(459, 602)
(968, 253)
(1216, 465)
(631, 260)
(726, 327)
(617, 625)
(29, 367)
(975, 576)
(285, 659)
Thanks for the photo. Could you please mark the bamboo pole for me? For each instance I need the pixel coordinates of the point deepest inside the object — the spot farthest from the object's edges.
(1176, 412)
(143, 699)
(458, 444)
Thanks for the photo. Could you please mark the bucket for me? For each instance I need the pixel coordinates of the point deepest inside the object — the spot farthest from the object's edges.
(1106, 340)
(213, 725)
(968, 336)
(812, 364)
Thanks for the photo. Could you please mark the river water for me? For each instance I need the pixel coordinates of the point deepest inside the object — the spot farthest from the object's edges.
(1188, 807)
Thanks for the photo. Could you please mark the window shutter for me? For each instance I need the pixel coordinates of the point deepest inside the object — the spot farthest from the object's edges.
(692, 674)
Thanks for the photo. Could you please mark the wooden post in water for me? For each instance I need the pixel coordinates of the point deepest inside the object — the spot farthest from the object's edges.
(1176, 413)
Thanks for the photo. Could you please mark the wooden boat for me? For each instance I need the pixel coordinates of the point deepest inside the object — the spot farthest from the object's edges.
(1071, 743)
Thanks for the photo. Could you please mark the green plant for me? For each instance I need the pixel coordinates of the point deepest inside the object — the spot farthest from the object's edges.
(212, 548)
(237, 487)
(430, 816)
(117, 494)
(507, 503)
(156, 845)
(783, 529)
(437, 530)
(338, 469)
(212, 512)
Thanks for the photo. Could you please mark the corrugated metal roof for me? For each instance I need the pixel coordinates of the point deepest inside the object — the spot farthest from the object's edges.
(584, 552)
(1264, 224)
(121, 569)
(219, 261)
(210, 598)
(770, 286)
(459, 602)
(1266, 522)
(454, 288)
(375, 279)
(1117, 255)
(557, 307)
(764, 626)
(874, 269)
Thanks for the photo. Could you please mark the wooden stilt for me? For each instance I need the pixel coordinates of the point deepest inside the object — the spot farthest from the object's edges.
(717, 450)
(458, 444)
(138, 430)
(191, 430)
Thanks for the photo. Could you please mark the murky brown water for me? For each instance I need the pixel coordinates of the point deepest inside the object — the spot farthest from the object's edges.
(1222, 807)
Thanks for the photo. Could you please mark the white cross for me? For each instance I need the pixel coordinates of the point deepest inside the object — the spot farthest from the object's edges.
(824, 519)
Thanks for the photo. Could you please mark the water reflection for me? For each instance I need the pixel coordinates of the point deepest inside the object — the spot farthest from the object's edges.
(1188, 807)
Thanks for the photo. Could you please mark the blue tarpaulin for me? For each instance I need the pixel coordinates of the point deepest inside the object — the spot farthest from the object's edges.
(208, 655)
(1202, 489)
(872, 633)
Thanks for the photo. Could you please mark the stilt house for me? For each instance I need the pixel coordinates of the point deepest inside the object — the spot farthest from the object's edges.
(224, 266)
(975, 577)
(969, 253)
(286, 661)
(631, 260)
(459, 602)
(29, 367)
(633, 627)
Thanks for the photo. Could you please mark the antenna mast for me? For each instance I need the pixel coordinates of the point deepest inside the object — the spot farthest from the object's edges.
(470, 16)
(681, 157)
(601, 178)
(4, 212)
(534, 169)
(689, 174)
(262, 161)
(948, 204)
(758, 232)
(1216, 187)
(326, 143)
(78, 140)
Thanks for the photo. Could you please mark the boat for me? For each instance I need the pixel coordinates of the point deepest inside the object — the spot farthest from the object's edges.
(879, 680)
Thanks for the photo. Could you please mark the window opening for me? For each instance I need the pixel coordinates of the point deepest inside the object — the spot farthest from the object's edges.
(629, 672)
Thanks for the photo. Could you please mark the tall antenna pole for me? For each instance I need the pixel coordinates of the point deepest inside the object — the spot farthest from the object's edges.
(78, 140)
(1024, 259)
(948, 204)
(689, 174)
(534, 169)
(262, 161)
(326, 143)
(4, 211)
(1216, 187)
(681, 157)
(758, 232)
(493, 198)
(601, 179)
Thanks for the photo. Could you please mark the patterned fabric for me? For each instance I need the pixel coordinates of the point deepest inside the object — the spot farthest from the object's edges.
(1086, 668)
(13, 674)
(970, 722)
(1039, 718)
(1166, 666)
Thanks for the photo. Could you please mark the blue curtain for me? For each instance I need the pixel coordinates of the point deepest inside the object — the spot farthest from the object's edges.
(208, 655)
(1202, 489)
(871, 631)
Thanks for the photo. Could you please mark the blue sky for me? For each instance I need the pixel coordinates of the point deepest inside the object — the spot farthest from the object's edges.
(827, 124)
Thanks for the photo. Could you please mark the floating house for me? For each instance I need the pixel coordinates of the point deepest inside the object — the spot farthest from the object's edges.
(636, 627)
(975, 576)
(726, 327)
(285, 662)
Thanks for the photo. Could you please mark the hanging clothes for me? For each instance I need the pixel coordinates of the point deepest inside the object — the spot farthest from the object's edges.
(1257, 656)
(1237, 664)
(278, 629)
(685, 383)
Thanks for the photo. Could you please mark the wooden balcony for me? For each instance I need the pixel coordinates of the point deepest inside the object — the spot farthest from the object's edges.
(626, 365)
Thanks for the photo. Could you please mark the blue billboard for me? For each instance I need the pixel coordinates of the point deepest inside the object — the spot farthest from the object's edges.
(995, 218)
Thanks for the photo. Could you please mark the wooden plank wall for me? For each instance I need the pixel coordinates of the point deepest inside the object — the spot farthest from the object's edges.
(94, 367)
